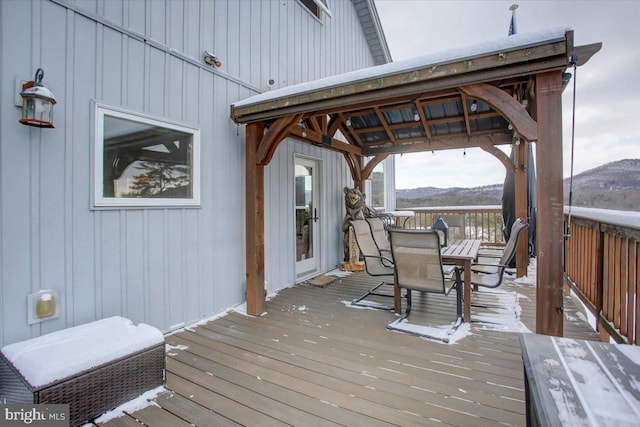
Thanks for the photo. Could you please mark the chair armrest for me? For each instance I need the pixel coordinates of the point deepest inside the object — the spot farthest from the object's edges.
(383, 259)
(448, 269)
(486, 255)
(488, 265)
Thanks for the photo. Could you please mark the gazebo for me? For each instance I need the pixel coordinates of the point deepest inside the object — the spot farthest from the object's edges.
(504, 92)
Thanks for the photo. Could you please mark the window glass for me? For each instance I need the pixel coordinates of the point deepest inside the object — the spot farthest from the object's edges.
(316, 7)
(377, 186)
(144, 161)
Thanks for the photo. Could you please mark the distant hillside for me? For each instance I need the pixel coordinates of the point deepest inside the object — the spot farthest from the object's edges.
(456, 196)
(615, 185)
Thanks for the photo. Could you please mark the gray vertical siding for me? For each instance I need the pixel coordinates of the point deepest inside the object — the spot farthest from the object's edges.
(165, 267)
(279, 211)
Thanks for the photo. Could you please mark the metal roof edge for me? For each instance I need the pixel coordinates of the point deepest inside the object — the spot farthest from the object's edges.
(503, 45)
(372, 28)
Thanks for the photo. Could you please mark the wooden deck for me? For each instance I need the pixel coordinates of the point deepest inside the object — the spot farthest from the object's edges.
(313, 360)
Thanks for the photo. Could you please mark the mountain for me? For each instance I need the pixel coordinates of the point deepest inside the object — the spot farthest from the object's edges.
(615, 185)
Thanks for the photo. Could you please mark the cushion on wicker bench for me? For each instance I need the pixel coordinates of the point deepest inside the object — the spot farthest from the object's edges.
(93, 367)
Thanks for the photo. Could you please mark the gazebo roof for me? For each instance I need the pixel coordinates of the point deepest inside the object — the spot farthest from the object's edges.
(419, 104)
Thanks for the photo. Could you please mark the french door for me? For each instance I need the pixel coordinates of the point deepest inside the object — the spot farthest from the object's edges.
(307, 221)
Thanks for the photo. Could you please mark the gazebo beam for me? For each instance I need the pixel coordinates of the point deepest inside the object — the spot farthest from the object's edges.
(506, 105)
(498, 154)
(276, 133)
(421, 145)
(371, 164)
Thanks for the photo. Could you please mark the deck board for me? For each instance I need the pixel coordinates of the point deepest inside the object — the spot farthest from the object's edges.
(191, 411)
(314, 360)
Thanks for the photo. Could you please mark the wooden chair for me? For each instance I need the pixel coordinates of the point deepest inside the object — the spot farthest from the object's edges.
(375, 263)
(418, 267)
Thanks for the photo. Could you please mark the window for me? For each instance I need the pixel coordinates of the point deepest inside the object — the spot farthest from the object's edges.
(375, 198)
(141, 161)
(316, 7)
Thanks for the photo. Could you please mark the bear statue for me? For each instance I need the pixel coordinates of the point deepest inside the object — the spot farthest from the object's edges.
(356, 208)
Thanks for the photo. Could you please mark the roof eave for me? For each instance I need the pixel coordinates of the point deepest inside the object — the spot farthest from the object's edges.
(507, 64)
(373, 32)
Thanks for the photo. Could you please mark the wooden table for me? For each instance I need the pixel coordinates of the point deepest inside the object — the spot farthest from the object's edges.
(572, 382)
(460, 252)
(463, 252)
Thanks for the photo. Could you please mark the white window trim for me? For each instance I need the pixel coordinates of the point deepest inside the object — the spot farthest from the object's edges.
(101, 202)
(368, 188)
(323, 9)
(323, 6)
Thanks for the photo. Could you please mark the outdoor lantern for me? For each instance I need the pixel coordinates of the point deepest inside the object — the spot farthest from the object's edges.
(37, 103)
(442, 229)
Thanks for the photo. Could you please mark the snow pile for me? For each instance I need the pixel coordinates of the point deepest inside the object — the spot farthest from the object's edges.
(64, 353)
(131, 406)
(339, 273)
(443, 333)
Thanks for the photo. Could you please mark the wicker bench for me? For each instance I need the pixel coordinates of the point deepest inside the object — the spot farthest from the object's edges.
(93, 367)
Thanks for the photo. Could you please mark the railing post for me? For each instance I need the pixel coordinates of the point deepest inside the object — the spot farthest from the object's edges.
(599, 298)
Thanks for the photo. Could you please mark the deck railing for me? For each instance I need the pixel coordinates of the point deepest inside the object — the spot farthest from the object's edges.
(602, 267)
(468, 222)
(602, 259)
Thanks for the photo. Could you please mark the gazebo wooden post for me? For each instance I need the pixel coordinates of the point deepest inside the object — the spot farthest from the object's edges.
(522, 252)
(359, 182)
(254, 192)
(549, 291)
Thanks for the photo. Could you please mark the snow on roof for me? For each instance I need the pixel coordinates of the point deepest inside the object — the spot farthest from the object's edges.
(517, 41)
(58, 355)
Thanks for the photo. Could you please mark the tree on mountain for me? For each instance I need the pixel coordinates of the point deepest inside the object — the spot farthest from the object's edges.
(158, 178)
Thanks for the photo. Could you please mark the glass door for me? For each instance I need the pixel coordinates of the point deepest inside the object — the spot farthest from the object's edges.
(306, 196)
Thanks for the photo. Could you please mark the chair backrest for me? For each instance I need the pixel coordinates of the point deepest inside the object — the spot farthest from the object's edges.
(512, 244)
(372, 258)
(456, 226)
(379, 234)
(417, 259)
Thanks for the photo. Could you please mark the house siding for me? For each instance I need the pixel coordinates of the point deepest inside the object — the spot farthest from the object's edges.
(170, 266)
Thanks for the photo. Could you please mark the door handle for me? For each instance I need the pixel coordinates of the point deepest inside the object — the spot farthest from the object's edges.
(315, 215)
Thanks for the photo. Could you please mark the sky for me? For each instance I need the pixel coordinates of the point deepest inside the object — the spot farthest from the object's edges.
(608, 85)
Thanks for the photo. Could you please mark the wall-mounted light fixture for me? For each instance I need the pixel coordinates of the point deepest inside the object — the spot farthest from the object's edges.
(416, 116)
(349, 121)
(37, 103)
(43, 305)
(473, 107)
(211, 59)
